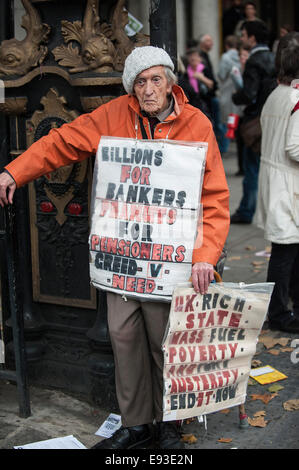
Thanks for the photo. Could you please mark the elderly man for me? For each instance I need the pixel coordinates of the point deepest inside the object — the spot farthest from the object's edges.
(155, 107)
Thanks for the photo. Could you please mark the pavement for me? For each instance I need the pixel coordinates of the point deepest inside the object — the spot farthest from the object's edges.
(56, 414)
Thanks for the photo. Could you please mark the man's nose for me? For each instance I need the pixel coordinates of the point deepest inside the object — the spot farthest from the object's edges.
(148, 87)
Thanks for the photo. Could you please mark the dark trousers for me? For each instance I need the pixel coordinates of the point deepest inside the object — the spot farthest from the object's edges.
(251, 166)
(136, 331)
(284, 271)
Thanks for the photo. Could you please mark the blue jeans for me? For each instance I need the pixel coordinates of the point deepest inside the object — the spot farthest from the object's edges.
(251, 166)
(219, 128)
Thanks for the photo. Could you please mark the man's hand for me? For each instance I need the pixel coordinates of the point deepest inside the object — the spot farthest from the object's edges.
(202, 276)
(7, 189)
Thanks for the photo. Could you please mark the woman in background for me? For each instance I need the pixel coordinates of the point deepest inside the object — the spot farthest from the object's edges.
(278, 195)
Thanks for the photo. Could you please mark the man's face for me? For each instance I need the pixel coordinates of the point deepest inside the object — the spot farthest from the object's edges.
(247, 40)
(250, 12)
(194, 59)
(283, 32)
(151, 88)
(208, 43)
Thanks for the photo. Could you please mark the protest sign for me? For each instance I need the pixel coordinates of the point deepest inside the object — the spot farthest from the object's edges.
(208, 347)
(145, 215)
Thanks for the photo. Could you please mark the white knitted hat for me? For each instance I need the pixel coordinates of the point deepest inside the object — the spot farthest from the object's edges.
(140, 59)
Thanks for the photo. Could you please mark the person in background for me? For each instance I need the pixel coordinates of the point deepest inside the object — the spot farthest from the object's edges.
(229, 60)
(206, 44)
(278, 195)
(237, 78)
(199, 80)
(231, 18)
(250, 15)
(259, 79)
(283, 30)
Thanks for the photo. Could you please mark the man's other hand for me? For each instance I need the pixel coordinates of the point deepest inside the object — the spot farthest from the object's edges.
(7, 189)
(202, 276)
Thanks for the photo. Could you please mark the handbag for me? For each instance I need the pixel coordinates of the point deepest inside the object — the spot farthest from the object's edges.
(251, 133)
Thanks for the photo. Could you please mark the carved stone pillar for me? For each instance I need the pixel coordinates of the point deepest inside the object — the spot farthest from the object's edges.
(206, 20)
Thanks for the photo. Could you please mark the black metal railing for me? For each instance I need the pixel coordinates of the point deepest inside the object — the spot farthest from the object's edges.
(19, 375)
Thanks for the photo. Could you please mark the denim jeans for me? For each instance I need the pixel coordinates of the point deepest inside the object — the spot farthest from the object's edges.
(251, 166)
(219, 128)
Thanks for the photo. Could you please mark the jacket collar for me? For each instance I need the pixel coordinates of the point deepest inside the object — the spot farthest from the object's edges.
(258, 48)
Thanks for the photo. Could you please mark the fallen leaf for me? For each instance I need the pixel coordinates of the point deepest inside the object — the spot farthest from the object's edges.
(259, 413)
(225, 439)
(190, 420)
(257, 263)
(275, 388)
(258, 422)
(189, 438)
(269, 342)
(264, 398)
(250, 248)
(287, 349)
(275, 352)
(256, 363)
(251, 381)
(291, 405)
(232, 258)
(226, 411)
(283, 341)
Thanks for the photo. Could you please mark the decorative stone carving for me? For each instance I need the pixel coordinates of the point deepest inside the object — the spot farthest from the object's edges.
(59, 185)
(14, 105)
(97, 51)
(90, 103)
(18, 57)
(103, 47)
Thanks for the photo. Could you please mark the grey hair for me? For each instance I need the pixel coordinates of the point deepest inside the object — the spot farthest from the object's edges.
(170, 75)
(287, 58)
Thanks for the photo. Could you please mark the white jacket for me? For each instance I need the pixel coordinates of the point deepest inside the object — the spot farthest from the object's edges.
(278, 194)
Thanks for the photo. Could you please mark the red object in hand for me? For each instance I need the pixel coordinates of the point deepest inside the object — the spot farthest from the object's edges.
(46, 206)
(232, 125)
(74, 208)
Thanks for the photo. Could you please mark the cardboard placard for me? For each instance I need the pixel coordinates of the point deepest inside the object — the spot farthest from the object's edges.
(145, 215)
(209, 345)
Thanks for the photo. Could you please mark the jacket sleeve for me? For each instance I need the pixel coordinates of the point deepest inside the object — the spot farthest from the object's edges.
(225, 67)
(251, 86)
(68, 144)
(215, 205)
(292, 137)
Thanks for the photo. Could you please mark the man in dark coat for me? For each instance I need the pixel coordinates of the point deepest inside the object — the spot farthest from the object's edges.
(258, 82)
(231, 18)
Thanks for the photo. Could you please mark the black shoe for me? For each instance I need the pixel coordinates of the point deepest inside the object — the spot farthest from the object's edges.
(169, 436)
(239, 173)
(127, 438)
(237, 219)
(290, 326)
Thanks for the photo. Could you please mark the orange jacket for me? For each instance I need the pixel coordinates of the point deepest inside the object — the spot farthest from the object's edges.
(79, 139)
